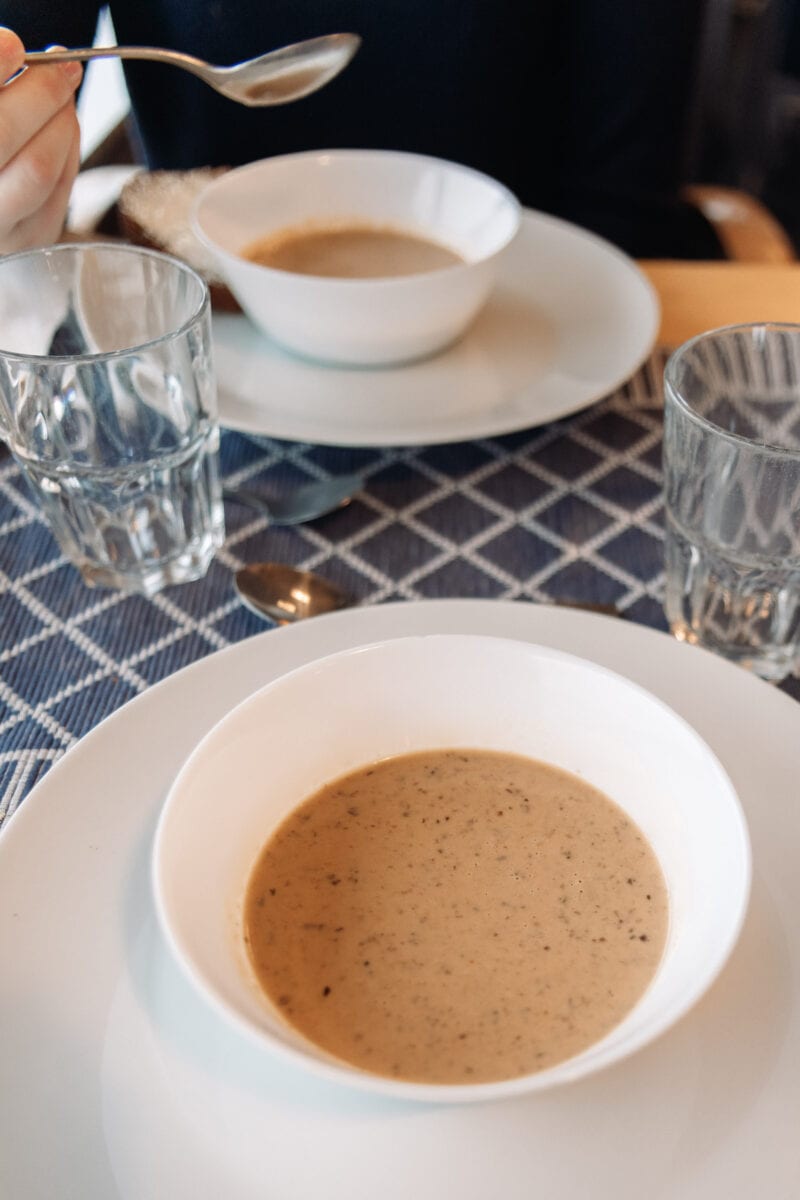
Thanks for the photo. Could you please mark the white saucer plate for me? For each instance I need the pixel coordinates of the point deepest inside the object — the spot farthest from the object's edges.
(570, 320)
(117, 1081)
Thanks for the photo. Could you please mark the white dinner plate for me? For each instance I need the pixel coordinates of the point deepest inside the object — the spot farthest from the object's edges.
(570, 320)
(117, 1081)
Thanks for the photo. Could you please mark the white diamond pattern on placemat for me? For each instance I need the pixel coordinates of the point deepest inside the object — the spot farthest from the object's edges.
(569, 511)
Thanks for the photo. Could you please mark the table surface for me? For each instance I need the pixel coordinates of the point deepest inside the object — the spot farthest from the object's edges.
(696, 296)
(570, 511)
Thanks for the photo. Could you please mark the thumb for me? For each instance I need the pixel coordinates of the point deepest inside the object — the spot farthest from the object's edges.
(12, 54)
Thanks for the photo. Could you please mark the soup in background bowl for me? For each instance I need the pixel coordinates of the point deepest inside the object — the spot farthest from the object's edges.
(382, 317)
(351, 251)
(250, 776)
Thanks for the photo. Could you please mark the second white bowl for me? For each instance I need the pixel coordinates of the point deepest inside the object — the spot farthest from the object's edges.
(360, 321)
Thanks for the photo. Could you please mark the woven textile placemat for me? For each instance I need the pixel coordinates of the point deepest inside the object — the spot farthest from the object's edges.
(570, 511)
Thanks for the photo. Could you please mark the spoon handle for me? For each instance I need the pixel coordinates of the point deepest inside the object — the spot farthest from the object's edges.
(151, 53)
(248, 499)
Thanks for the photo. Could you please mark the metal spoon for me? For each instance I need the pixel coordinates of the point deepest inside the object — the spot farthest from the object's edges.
(285, 594)
(275, 78)
(303, 503)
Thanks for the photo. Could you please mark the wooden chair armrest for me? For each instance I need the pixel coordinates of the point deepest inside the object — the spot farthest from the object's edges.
(746, 228)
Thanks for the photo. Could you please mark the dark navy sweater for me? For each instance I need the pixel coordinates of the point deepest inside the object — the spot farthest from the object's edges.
(579, 106)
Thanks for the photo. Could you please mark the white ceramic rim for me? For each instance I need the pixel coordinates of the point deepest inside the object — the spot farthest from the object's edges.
(372, 156)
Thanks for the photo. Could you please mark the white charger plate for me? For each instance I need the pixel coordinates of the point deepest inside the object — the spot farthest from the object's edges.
(570, 319)
(117, 1081)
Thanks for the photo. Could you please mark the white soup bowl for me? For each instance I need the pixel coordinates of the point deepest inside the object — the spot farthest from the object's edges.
(410, 694)
(377, 321)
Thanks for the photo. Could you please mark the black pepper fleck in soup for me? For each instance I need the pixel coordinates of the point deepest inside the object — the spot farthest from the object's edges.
(456, 916)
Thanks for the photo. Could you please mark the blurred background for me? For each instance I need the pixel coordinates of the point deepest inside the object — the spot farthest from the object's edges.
(744, 131)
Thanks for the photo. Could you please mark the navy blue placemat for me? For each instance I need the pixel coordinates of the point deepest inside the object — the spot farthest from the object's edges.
(569, 511)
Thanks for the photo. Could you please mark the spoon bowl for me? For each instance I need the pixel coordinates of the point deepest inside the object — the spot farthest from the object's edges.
(275, 78)
(303, 503)
(286, 594)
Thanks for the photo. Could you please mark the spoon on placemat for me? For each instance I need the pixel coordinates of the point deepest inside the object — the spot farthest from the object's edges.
(275, 78)
(278, 591)
(303, 503)
(286, 594)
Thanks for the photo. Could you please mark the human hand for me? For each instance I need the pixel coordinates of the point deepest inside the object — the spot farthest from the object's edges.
(39, 147)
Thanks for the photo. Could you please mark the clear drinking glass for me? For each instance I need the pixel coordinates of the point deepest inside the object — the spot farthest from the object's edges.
(108, 403)
(732, 493)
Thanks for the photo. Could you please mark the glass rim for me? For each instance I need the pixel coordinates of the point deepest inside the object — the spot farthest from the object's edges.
(118, 248)
(671, 389)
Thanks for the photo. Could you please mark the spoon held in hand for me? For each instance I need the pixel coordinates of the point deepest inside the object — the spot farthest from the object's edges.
(275, 78)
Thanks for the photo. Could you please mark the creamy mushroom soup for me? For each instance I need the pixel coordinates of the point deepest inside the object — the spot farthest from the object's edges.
(456, 916)
(357, 252)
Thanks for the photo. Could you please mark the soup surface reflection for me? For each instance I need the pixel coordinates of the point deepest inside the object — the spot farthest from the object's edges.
(456, 916)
